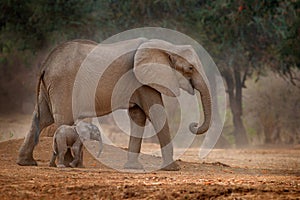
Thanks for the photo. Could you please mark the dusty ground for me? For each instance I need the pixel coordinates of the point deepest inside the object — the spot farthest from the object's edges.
(264, 173)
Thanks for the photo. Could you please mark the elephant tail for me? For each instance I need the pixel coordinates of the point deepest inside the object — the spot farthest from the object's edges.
(43, 107)
(54, 146)
(38, 88)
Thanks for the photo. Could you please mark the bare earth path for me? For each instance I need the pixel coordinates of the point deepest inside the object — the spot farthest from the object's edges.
(224, 174)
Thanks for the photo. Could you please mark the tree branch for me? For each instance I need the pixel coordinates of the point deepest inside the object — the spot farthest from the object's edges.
(245, 76)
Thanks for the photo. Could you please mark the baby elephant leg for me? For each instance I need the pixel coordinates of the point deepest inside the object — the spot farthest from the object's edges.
(68, 157)
(61, 157)
(52, 161)
(54, 154)
(77, 151)
(80, 163)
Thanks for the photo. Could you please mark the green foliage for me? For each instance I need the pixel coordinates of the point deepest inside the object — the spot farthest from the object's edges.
(260, 31)
(246, 37)
(127, 14)
(6, 136)
(290, 47)
(11, 134)
(34, 23)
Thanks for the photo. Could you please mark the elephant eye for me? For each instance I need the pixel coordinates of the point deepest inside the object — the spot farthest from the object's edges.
(189, 69)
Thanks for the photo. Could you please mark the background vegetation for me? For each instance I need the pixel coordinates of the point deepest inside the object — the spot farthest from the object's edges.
(248, 39)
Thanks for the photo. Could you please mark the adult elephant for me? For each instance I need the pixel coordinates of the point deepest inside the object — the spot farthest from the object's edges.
(152, 68)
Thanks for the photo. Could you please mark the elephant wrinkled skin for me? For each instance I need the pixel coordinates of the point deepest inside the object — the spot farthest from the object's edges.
(72, 137)
(156, 66)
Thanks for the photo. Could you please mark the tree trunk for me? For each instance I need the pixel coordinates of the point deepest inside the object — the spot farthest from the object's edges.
(234, 89)
(222, 141)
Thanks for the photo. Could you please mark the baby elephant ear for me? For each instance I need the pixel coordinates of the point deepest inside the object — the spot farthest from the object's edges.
(82, 130)
(152, 68)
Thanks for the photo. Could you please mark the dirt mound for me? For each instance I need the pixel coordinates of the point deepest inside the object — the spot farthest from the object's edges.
(96, 181)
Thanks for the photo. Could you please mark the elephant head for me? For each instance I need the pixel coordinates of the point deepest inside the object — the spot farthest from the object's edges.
(88, 131)
(167, 67)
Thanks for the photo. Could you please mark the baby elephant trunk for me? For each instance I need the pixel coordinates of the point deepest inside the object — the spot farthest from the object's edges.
(96, 135)
(100, 148)
(88, 131)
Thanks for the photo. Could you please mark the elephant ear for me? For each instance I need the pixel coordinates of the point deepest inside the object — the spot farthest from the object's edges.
(152, 68)
(185, 84)
(83, 130)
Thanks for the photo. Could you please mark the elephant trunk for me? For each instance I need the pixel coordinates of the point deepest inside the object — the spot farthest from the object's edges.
(99, 139)
(202, 87)
(100, 149)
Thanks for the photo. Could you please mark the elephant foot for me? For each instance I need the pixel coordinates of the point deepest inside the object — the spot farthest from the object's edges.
(80, 165)
(171, 167)
(52, 165)
(61, 166)
(133, 165)
(73, 164)
(68, 158)
(26, 162)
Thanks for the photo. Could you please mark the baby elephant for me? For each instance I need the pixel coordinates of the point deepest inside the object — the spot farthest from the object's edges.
(72, 137)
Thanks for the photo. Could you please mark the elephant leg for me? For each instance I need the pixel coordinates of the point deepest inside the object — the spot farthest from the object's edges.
(76, 149)
(62, 149)
(25, 157)
(166, 149)
(137, 124)
(68, 158)
(152, 105)
(61, 157)
(159, 121)
(38, 123)
(80, 162)
(52, 160)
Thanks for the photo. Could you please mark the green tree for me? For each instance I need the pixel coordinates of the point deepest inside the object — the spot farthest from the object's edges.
(33, 24)
(245, 37)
